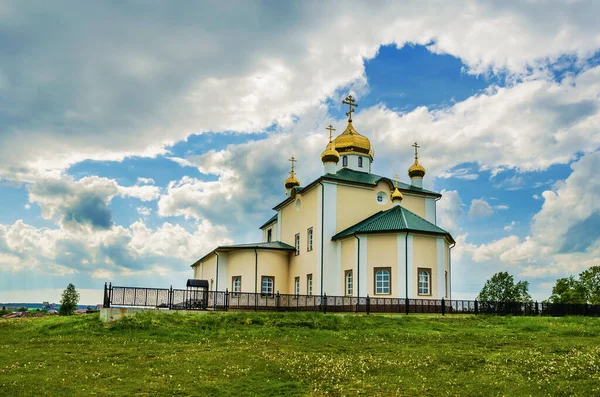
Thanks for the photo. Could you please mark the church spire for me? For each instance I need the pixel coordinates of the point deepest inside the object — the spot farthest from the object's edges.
(396, 196)
(330, 157)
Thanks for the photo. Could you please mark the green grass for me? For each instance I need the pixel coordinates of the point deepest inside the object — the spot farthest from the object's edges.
(273, 354)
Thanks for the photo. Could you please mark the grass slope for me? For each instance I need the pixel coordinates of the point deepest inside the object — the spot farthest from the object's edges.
(273, 354)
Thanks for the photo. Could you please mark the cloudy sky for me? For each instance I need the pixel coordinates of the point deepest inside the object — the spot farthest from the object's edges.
(136, 136)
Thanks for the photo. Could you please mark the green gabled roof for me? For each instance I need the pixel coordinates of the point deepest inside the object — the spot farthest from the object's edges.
(348, 175)
(396, 219)
(267, 223)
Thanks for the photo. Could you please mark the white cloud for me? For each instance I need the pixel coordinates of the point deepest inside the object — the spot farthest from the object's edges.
(144, 211)
(459, 173)
(256, 72)
(500, 207)
(449, 211)
(510, 226)
(480, 208)
(145, 181)
(27, 206)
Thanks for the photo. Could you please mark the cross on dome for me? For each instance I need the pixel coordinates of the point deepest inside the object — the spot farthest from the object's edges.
(293, 160)
(396, 177)
(331, 129)
(416, 146)
(350, 102)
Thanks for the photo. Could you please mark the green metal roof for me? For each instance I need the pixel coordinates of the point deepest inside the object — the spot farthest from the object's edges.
(273, 219)
(396, 219)
(348, 175)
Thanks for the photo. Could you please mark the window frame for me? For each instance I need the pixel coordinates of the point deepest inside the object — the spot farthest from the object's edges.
(344, 161)
(428, 271)
(233, 291)
(297, 285)
(269, 235)
(360, 162)
(349, 291)
(309, 284)
(377, 270)
(309, 239)
(297, 244)
(262, 280)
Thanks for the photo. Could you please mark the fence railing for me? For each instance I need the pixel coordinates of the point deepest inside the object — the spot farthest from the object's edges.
(200, 299)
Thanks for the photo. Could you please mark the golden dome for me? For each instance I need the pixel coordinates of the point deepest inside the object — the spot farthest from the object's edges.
(292, 181)
(350, 141)
(396, 195)
(330, 155)
(416, 170)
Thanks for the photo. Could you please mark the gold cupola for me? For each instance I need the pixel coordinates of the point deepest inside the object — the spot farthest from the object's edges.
(350, 141)
(292, 181)
(416, 170)
(330, 155)
(396, 196)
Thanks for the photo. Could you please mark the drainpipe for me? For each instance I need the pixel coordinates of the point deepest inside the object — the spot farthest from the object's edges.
(357, 269)
(450, 271)
(406, 264)
(255, 271)
(322, 231)
(217, 276)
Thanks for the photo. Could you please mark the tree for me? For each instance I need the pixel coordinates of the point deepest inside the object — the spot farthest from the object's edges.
(590, 279)
(69, 300)
(568, 290)
(502, 288)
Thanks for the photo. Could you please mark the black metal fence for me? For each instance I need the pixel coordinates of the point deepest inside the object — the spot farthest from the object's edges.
(200, 299)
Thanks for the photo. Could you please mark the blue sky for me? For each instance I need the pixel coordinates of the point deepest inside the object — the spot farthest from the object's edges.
(128, 162)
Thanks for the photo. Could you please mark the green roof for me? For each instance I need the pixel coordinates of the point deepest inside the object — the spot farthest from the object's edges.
(396, 219)
(273, 219)
(348, 175)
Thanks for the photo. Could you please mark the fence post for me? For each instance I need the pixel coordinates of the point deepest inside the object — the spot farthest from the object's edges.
(324, 302)
(110, 293)
(226, 303)
(536, 308)
(105, 303)
(443, 307)
(406, 306)
(476, 307)
(170, 300)
(255, 301)
(277, 297)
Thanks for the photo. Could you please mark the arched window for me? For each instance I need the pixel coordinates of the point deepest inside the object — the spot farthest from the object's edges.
(268, 284)
(382, 281)
(349, 283)
(236, 286)
(424, 280)
(345, 161)
(360, 160)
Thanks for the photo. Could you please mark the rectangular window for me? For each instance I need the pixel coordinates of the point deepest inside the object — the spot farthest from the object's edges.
(298, 244)
(424, 281)
(309, 284)
(383, 280)
(269, 235)
(345, 161)
(309, 239)
(297, 285)
(268, 285)
(236, 285)
(349, 282)
(360, 160)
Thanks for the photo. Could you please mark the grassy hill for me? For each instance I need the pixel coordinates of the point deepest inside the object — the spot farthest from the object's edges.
(272, 354)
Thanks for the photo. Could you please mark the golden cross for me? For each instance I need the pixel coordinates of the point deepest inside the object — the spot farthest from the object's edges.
(331, 129)
(293, 160)
(416, 146)
(396, 178)
(350, 102)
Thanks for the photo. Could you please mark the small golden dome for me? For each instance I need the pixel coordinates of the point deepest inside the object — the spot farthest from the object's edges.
(330, 155)
(292, 181)
(350, 141)
(396, 196)
(416, 170)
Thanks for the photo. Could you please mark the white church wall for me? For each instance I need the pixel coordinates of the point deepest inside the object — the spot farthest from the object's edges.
(411, 267)
(401, 265)
(430, 213)
(363, 263)
(441, 268)
(353, 163)
(331, 261)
